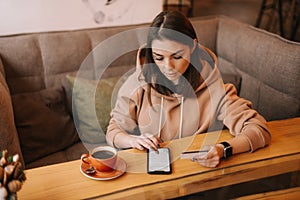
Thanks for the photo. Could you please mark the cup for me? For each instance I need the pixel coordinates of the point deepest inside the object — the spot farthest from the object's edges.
(102, 158)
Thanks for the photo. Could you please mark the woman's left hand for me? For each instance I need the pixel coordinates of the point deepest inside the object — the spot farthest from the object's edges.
(212, 158)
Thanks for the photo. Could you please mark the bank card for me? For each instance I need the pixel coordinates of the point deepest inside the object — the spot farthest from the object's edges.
(192, 154)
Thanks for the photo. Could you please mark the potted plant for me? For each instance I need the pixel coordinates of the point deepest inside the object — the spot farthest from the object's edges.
(11, 175)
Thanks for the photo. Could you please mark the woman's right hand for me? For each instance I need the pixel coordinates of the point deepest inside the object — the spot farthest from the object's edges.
(148, 141)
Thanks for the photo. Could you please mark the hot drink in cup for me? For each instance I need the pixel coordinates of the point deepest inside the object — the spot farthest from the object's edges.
(102, 158)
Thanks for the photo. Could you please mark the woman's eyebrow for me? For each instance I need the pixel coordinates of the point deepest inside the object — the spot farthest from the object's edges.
(177, 52)
(156, 54)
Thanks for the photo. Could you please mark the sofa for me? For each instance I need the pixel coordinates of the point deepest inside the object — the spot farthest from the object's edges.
(37, 77)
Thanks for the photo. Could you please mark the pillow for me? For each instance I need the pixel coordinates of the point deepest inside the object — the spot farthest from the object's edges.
(43, 123)
(91, 111)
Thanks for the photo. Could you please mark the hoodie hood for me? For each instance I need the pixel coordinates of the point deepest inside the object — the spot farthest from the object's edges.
(183, 105)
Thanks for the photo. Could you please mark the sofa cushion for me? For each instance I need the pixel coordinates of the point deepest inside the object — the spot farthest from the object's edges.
(72, 153)
(206, 30)
(234, 79)
(9, 136)
(92, 103)
(43, 123)
(23, 63)
(266, 62)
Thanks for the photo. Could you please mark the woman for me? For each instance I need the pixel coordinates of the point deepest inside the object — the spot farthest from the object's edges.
(176, 91)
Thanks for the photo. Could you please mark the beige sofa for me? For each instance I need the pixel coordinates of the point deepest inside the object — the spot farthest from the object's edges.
(36, 118)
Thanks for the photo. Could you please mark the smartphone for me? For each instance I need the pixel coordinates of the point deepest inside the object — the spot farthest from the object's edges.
(159, 162)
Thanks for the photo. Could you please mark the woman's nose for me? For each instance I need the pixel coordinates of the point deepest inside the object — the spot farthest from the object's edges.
(168, 64)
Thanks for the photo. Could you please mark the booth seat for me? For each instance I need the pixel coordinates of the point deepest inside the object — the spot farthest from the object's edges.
(37, 74)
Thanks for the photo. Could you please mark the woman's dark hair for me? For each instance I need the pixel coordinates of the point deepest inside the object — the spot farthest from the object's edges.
(171, 25)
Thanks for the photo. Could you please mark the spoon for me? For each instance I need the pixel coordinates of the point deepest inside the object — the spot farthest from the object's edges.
(91, 170)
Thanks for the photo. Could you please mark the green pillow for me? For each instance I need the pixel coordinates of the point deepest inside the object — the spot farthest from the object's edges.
(92, 104)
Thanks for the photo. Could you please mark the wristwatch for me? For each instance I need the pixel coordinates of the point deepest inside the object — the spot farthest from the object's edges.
(227, 149)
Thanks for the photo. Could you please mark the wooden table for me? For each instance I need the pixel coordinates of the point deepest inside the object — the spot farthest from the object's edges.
(65, 181)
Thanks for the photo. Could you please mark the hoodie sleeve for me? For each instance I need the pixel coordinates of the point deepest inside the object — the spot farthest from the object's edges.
(241, 120)
(124, 115)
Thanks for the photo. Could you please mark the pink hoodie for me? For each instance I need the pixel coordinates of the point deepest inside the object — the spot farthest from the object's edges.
(215, 104)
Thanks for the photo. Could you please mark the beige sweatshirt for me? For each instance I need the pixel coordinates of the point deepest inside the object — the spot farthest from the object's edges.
(214, 105)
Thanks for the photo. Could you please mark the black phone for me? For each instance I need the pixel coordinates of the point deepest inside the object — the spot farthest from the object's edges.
(159, 162)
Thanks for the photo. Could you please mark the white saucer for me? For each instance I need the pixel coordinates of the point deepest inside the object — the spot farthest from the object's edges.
(120, 169)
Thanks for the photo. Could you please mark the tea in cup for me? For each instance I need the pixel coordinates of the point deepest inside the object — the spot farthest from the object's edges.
(102, 158)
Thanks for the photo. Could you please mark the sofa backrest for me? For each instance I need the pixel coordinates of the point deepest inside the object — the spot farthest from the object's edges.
(207, 30)
(8, 133)
(268, 64)
(33, 62)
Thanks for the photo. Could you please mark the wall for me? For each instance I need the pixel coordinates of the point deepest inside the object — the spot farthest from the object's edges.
(53, 15)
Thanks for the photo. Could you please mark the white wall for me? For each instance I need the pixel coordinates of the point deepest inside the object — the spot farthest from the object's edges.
(26, 16)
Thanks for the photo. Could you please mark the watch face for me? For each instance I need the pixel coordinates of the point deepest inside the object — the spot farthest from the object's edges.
(227, 151)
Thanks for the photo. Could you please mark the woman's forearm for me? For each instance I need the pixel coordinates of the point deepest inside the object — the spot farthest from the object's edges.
(122, 140)
(239, 144)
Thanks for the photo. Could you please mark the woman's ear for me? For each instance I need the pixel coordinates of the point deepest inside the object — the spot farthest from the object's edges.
(194, 46)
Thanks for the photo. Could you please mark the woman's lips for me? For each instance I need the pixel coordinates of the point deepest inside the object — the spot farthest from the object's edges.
(171, 74)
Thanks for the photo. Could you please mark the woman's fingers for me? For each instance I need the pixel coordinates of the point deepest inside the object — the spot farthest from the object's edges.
(139, 146)
(211, 159)
(147, 141)
(154, 140)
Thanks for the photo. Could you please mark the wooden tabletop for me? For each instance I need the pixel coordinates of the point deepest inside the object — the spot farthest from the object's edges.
(65, 181)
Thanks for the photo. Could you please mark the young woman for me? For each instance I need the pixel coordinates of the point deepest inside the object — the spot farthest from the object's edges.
(176, 91)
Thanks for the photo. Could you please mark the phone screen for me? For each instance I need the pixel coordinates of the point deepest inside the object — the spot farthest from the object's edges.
(159, 162)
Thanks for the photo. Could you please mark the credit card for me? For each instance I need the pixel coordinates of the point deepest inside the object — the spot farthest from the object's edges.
(210, 139)
(192, 154)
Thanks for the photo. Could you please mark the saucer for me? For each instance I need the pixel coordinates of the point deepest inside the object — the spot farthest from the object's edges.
(120, 169)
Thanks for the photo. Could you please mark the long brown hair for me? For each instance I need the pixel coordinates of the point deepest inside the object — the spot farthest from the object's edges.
(171, 25)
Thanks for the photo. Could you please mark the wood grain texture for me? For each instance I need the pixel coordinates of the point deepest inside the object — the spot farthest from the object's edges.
(291, 194)
(65, 181)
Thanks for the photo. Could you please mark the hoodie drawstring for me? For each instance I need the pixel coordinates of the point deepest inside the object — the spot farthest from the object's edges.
(161, 116)
(181, 116)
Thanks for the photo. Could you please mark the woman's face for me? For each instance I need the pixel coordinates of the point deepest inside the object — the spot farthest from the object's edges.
(172, 58)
